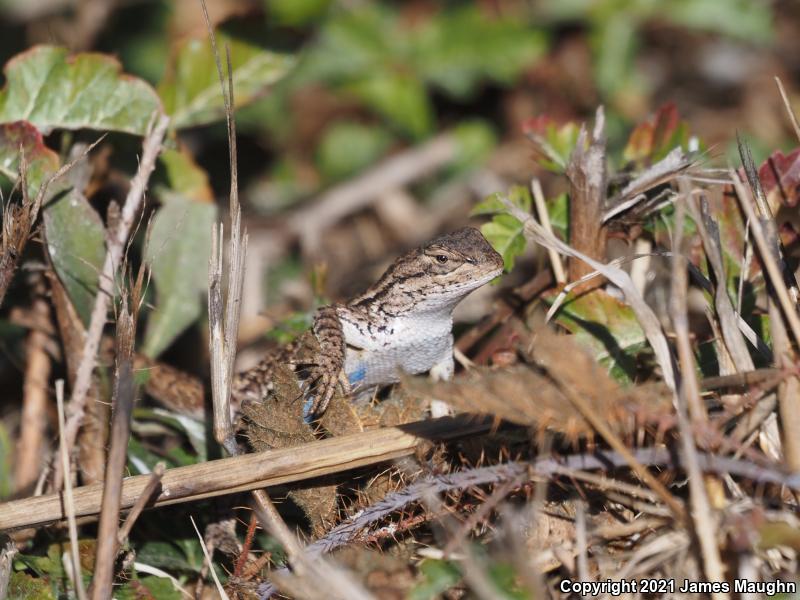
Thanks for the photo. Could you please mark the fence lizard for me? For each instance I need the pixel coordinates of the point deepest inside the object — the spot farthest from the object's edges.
(402, 324)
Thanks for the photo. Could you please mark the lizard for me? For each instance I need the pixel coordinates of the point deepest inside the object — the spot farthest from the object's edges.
(401, 324)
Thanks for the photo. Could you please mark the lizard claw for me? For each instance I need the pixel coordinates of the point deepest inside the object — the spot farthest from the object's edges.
(318, 388)
(316, 392)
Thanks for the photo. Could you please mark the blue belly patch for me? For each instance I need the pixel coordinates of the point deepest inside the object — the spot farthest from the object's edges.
(357, 375)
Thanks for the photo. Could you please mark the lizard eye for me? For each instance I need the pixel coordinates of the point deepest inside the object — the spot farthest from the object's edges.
(441, 259)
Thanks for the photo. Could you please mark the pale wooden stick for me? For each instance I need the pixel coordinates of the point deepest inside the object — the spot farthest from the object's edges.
(544, 218)
(69, 501)
(252, 471)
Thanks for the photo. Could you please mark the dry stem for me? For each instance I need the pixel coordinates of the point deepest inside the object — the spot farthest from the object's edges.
(69, 500)
(123, 398)
(704, 519)
(116, 246)
(33, 421)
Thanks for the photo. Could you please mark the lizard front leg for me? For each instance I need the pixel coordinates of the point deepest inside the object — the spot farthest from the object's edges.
(443, 371)
(328, 368)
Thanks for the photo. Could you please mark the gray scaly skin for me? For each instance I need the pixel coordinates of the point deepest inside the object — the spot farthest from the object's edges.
(402, 324)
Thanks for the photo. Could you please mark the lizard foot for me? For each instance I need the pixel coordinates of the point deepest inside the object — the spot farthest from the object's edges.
(318, 389)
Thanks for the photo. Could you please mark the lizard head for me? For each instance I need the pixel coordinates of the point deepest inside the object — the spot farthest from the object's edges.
(438, 275)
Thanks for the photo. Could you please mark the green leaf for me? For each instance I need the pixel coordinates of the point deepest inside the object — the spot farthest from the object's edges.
(519, 195)
(42, 162)
(476, 140)
(23, 586)
(615, 41)
(458, 49)
(53, 89)
(75, 238)
(296, 13)
(554, 141)
(194, 429)
(504, 233)
(185, 176)
(607, 327)
(161, 588)
(653, 139)
(164, 555)
(745, 19)
(437, 576)
(290, 328)
(506, 582)
(558, 211)
(398, 96)
(178, 252)
(348, 147)
(190, 90)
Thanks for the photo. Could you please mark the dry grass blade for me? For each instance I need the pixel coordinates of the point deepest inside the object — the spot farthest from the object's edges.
(647, 318)
(663, 171)
(222, 341)
(769, 252)
(144, 499)
(122, 401)
(787, 104)
(788, 390)
(151, 147)
(689, 393)
(220, 589)
(544, 217)
(728, 319)
(69, 501)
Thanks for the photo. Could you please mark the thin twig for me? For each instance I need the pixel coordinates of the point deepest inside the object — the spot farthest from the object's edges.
(122, 401)
(222, 341)
(69, 502)
(787, 104)
(644, 314)
(144, 499)
(220, 589)
(151, 147)
(773, 270)
(582, 541)
(689, 394)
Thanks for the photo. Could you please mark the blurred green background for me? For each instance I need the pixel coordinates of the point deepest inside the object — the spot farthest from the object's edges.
(375, 76)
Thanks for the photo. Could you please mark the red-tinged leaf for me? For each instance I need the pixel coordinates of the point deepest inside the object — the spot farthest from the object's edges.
(653, 139)
(42, 161)
(554, 140)
(665, 124)
(780, 178)
(640, 143)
